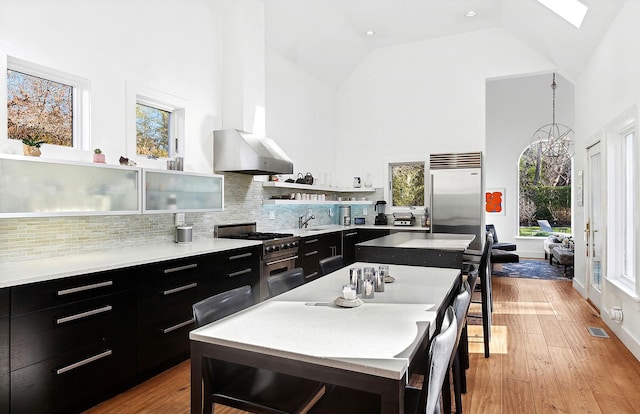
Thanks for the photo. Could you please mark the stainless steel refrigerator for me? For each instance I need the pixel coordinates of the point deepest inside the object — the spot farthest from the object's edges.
(457, 195)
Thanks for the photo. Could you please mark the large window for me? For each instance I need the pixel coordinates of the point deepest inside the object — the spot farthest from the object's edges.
(406, 184)
(44, 105)
(621, 202)
(545, 190)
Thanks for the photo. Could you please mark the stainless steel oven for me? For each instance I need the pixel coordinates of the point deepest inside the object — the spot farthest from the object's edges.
(279, 250)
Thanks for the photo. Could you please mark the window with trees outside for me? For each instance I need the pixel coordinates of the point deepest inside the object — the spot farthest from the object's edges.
(545, 190)
(39, 109)
(406, 184)
(153, 131)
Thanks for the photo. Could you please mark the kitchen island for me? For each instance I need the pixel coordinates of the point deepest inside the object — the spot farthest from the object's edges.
(416, 249)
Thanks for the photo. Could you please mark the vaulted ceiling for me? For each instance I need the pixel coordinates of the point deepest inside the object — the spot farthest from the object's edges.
(328, 38)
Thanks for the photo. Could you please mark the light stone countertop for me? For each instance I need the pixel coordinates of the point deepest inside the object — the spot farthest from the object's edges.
(341, 337)
(30, 271)
(332, 228)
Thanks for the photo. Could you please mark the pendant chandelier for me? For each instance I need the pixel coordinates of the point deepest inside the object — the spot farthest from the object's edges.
(554, 140)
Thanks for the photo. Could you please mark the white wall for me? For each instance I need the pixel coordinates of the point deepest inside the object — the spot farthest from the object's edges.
(300, 113)
(168, 47)
(515, 108)
(408, 101)
(608, 86)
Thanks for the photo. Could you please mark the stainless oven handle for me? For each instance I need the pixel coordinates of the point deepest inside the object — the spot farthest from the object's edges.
(281, 260)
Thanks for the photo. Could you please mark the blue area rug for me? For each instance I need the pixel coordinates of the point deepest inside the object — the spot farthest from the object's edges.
(532, 269)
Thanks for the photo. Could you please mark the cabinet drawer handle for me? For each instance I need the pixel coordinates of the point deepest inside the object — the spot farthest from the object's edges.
(179, 289)
(180, 268)
(310, 275)
(240, 256)
(178, 326)
(83, 288)
(311, 253)
(240, 272)
(84, 362)
(281, 260)
(310, 241)
(86, 314)
(355, 233)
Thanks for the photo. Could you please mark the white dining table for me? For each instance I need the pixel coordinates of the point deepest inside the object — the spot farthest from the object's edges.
(303, 333)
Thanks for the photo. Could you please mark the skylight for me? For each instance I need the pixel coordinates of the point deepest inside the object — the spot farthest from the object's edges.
(571, 10)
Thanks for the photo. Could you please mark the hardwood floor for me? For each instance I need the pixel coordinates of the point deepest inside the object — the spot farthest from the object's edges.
(542, 360)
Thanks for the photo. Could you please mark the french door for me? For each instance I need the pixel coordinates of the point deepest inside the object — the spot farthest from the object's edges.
(594, 201)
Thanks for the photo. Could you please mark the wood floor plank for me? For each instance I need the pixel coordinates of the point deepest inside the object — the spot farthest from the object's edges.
(613, 404)
(576, 393)
(517, 397)
(538, 370)
(552, 331)
(487, 395)
(544, 383)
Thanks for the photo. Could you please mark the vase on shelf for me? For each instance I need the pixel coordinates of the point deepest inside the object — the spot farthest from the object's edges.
(367, 181)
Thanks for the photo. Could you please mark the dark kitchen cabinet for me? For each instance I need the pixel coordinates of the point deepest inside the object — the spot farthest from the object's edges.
(352, 237)
(314, 248)
(71, 340)
(168, 291)
(4, 351)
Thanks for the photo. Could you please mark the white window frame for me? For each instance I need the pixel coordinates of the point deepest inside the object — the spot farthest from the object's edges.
(139, 94)
(617, 251)
(81, 100)
(388, 188)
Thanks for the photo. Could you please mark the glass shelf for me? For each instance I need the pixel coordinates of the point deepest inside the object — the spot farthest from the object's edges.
(35, 187)
(178, 192)
(278, 184)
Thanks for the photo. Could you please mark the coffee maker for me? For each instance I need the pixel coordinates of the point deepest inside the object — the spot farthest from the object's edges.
(381, 218)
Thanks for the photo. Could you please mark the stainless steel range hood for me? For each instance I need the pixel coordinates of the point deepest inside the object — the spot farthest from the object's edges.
(242, 152)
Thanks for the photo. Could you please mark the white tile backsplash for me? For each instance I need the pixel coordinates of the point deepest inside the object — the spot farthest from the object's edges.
(32, 238)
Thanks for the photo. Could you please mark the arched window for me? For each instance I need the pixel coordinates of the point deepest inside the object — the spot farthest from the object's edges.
(544, 190)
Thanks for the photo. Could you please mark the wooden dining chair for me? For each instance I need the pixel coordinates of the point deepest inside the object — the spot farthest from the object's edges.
(347, 400)
(331, 264)
(247, 388)
(285, 281)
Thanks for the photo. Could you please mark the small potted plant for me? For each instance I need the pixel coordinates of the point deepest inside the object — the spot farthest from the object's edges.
(98, 156)
(31, 145)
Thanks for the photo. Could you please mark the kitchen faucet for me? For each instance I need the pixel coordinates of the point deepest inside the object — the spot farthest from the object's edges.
(303, 221)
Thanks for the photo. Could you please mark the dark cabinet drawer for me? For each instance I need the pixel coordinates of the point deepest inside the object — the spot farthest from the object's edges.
(31, 297)
(157, 302)
(72, 381)
(163, 272)
(40, 335)
(164, 341)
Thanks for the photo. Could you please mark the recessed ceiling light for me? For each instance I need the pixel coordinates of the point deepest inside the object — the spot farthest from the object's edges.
(370, 33)
(471, 13)
(571, 10)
